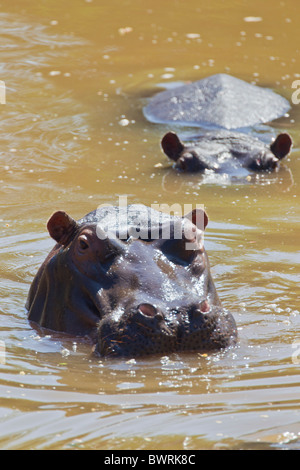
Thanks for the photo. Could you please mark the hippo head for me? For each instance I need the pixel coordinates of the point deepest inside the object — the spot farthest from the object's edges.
(225, 151)
(135, 280)
(186, 158)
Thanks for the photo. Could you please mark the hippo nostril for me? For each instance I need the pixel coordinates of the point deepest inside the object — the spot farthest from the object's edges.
(203, 307)
(148, 310)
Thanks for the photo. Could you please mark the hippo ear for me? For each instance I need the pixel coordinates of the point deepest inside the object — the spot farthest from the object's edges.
(61, 227)
(172, 146)
(198, 217)
(281, 145)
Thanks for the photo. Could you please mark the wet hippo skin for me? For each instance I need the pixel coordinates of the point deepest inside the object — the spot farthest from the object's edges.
(217, 101)
(224, 151)
(135, 280)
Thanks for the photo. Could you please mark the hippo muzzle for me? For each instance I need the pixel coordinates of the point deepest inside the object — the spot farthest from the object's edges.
(148, 331)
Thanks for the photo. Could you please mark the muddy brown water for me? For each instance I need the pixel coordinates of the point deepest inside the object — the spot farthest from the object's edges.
(73, 136)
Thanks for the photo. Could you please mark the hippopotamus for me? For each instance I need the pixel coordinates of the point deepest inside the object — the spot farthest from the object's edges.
(218, 101)
(225, 151)
(133, 279)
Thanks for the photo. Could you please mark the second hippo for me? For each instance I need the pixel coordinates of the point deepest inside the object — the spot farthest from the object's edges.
(225, 151)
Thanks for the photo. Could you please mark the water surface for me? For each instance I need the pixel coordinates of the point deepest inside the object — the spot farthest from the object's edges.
(73, 136)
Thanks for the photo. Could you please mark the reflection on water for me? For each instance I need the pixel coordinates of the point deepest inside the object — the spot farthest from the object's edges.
(73, 136)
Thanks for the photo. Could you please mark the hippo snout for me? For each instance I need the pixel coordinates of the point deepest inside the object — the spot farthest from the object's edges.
(207, 328)
(144, 330)
(147, 330)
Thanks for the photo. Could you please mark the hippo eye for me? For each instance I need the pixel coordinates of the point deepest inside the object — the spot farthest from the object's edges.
(83, 244)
